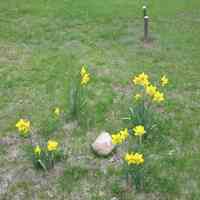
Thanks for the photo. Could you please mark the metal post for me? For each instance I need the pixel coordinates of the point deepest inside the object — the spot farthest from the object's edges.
(144, 10)
(146, 21)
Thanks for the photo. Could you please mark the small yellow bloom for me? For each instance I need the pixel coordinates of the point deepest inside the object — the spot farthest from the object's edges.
(124, 134)
(139, 130)
(134, 158)
(57, 111)
(137, 97)
(151, 90)
(141, 79)
(164, 80)
(158, 97)
(85, 79)
(52, 145)
(37, 150)
(23, 126)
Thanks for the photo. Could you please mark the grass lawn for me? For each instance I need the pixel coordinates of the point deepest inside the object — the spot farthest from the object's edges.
(43, 42)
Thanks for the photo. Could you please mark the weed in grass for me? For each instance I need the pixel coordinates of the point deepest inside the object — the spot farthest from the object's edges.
(116, 188)
(71, 178)
(23, 187)
(52, 124)
(2, 149)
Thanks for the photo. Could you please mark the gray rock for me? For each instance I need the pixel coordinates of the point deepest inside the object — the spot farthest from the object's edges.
(114, 198)
(103, 144)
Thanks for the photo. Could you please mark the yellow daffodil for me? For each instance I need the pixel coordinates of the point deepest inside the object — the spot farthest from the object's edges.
(124, 134)
(137, 97)
(57, 111)
(134, 158)
(116, 139)
(151, 90)
(85, 76)
(139, 130)
(23, 126)
(85, 79)
(158, 97)
(164, 80)
(120, 137)
(141, 79)
(37, 150)
(52, 145)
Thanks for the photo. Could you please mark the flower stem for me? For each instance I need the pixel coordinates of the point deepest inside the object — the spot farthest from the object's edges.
(140, 140)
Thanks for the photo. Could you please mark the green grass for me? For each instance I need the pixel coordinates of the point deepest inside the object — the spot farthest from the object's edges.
(42, 41)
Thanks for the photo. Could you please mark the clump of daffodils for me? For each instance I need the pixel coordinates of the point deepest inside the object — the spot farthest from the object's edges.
(150, 94)
(141, 119)
(52, 145)
(85, 76)
(150, 89)
(23, 126)
(42, 157)
(120, 137)
(134, 158)
(45, 157)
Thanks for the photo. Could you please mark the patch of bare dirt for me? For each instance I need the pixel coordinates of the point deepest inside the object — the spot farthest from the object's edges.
(148, 44)
(124, 90)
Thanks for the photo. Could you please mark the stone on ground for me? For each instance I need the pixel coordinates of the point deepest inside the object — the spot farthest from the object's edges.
(103, 144)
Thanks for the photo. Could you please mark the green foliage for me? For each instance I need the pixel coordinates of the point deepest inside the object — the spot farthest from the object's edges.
(116, 188)
(46, 160)
(134, 176)
(76, 99)
(139, 113)
(49, 126)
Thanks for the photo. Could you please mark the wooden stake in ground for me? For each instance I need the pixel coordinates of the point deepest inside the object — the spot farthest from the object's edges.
(146, 27)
